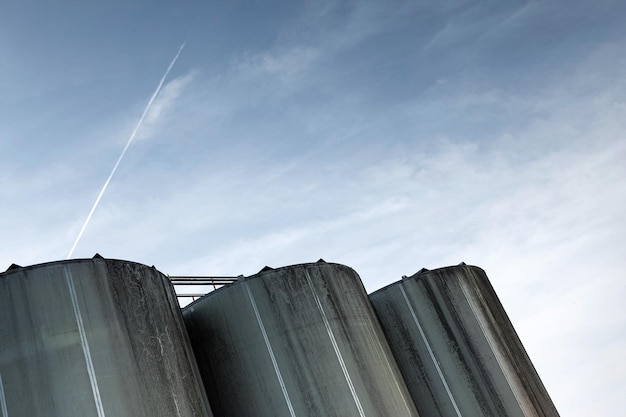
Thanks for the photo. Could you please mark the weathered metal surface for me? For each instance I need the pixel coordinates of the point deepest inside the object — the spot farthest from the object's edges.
(94, 337)
(295, 341)
(457, 349)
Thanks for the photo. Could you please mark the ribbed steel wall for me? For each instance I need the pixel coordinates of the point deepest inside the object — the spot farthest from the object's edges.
(94, 338)
(456, 347)
(103, 338)
(295, 341)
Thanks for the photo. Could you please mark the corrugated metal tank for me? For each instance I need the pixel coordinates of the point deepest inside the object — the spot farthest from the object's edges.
(295, 341)
(94, 337)
(457, 349)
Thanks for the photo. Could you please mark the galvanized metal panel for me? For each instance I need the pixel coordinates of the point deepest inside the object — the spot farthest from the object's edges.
(456, 347)
(94, 338)
(295, 341)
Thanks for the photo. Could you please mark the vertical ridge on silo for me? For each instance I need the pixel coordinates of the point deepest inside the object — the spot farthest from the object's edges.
(457, 349)
(83, 341)
(270, 350)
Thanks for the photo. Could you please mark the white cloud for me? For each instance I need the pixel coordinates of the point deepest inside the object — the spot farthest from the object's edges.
(263, 166)
(163, 106)
(287, 63)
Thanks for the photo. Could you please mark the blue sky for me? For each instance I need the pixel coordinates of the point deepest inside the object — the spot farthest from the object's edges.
(388, 136)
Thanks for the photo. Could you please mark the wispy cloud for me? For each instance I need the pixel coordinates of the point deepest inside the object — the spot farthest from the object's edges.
(160, 112)
(282, 63)
(337, 141)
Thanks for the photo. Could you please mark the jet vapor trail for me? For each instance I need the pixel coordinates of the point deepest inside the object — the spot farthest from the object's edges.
(132, 136)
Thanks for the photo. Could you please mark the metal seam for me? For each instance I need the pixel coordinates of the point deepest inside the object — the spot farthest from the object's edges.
(505, 371)
(335, 346)
(270, 350)
(430, 351)
(84, 343)
(395, 379)
(3, 403)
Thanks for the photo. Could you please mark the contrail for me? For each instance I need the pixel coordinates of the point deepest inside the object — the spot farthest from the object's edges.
(132, 136)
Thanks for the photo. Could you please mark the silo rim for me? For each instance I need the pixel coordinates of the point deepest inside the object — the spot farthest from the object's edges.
(267, 270)
(427, 272)
(73, 261)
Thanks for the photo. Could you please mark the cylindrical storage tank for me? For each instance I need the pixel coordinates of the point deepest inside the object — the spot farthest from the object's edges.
(295, 341)
(94, 338)
(457, 349)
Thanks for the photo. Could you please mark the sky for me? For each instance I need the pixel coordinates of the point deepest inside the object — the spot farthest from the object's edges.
(385, 135)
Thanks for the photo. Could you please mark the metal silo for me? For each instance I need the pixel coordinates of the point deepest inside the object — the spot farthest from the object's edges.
(295, 341)
(94, 337)
(457, 349)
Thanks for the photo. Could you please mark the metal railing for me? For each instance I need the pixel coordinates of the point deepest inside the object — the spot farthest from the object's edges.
(201, 285)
